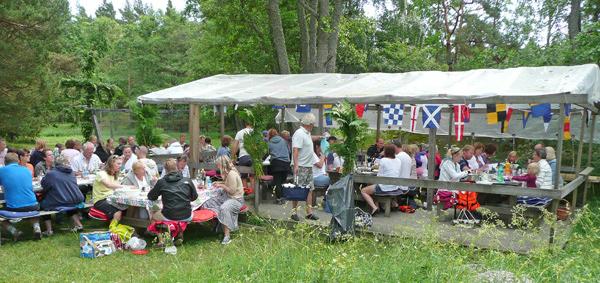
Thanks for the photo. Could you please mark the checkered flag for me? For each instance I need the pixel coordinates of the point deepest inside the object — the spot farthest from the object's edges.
(393, 114)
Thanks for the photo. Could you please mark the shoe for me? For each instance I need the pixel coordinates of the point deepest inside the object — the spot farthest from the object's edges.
(178, 240)
(47, 233)
(77, 229)
(375, 212)
(226, 241)
(295, 217)
(312, 217)
(37, 235)
(17, 235)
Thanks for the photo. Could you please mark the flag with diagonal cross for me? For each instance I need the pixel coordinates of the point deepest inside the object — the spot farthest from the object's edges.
(431, 116)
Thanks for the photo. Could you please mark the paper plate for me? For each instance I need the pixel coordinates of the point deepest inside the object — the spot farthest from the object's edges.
(139, 252)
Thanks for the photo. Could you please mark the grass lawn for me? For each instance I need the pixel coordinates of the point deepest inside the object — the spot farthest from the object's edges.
(301, 254)
(60, 133)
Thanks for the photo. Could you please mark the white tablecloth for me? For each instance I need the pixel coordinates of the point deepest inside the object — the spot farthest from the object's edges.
(140, 199)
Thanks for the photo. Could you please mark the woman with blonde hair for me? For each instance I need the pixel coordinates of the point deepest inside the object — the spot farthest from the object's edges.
(105, 184)
(229, 199)
(412, 150)
(139, 177)
(551, 158)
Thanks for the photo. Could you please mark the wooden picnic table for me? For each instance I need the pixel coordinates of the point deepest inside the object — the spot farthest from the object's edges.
(140, 207)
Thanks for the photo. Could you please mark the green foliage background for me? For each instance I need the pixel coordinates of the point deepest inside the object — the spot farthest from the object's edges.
(140, 49)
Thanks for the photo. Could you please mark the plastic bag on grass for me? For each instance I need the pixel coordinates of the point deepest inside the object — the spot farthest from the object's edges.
(340, 198)
(136, 243)
(125, 232)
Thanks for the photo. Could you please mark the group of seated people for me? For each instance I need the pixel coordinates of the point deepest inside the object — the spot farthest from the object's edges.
(408, 161)
(399, 161)
(314, 156)
(58, 170)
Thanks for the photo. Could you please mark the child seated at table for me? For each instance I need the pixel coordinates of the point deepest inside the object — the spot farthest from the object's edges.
(532, 170)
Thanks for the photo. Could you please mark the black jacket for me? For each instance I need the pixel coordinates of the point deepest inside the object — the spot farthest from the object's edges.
(373, 152)
(102, 153)
(177, 192)
(60, 189)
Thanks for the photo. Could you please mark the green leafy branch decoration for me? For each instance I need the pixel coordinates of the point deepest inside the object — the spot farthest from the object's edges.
(353, 131)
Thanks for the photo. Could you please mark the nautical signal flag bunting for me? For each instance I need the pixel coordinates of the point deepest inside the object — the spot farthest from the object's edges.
(496, 113)
(393, 114)
(567, 123)
(431, 116)
(461, 116)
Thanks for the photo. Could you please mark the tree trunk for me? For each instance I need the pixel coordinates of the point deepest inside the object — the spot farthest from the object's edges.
(322, 37)
(304, 45)
(334, 36)
(574, 19)
(549, 31)
(312, 41)
(278, 37)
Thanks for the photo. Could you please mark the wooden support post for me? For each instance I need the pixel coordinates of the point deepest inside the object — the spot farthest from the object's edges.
(553, 209)
(579, 153)
(222, 118)
(194, 129)
(559, 148)
(111, 121)
(589, 160)
(514, 142)
(321, 129)
(378, 132)
(282, 121)
(431, 166)
(450, 125)
(96, 126)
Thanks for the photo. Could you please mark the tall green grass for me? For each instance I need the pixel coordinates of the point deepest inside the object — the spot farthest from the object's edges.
(274, 253)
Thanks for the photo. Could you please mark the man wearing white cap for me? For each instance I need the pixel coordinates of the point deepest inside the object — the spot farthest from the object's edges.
(302, 153)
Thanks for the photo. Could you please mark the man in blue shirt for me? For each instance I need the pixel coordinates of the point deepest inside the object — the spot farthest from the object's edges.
(17, 185)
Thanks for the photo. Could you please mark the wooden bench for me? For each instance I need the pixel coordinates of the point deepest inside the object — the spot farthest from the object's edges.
(42, 213)
(386, 200)
(594, 182)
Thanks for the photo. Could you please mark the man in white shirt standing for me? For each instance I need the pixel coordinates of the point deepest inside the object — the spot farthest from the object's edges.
(88, 161)
(303, 158)
(243, 158)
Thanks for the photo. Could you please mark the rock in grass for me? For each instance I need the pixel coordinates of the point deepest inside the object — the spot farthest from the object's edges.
(497, 276)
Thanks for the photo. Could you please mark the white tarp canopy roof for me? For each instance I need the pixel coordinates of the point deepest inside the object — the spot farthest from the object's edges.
(554, 84)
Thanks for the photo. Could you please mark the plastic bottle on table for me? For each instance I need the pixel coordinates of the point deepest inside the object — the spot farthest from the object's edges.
(500, 178)
(208, 183)
(507, 169)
